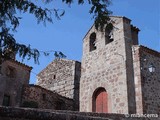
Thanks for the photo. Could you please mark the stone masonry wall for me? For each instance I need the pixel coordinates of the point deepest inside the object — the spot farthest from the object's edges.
(129, 65)
(13, 75)
(7, 113)
(150, 81)
(106, 67)
(147, 83)
(45, 99)
(62, 76)
(137, 79)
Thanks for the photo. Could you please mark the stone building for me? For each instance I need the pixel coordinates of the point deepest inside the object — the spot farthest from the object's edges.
(62, 76)
(16, 91)
(118, 75)
(13, 76)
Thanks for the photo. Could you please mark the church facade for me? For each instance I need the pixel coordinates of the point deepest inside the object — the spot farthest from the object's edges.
(118, 75)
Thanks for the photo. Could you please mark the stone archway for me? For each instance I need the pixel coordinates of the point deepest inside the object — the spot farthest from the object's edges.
(100, 101)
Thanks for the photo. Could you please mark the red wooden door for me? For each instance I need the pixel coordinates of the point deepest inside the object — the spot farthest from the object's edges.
(101, 101)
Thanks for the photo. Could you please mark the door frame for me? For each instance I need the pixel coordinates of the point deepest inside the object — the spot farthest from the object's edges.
(94, 98)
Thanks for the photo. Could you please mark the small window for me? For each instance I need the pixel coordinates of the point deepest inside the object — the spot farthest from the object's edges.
(54, 77)
(108, 36)
(92, 42)
(44, 96)
(6, 100)
(11, 72)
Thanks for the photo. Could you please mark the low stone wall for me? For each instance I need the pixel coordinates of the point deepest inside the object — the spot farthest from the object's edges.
(35, 96)
(9, 113)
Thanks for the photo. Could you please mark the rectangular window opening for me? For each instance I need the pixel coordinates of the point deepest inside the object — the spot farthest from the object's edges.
(54, 77)
(44, 96)
(6, 100)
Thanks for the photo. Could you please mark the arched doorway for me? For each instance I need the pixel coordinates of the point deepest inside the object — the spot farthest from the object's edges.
(100, 101)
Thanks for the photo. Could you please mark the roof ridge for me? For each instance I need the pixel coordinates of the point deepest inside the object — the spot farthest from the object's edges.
(19, 63)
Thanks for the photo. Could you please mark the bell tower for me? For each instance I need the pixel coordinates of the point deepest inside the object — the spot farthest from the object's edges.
(107, 77)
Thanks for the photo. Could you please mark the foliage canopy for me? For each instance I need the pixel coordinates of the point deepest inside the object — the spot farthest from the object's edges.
(9, 21)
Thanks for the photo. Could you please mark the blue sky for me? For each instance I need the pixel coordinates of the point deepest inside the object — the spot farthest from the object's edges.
(66, 34)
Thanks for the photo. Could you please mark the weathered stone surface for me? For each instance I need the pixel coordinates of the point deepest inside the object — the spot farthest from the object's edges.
(147, 84)
(109, 67)
(120, 69)
(38, 114)
(62, 76)
(13, 75)
(46, 99)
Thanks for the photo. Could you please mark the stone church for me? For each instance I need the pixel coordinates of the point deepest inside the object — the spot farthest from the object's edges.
(116, 75)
